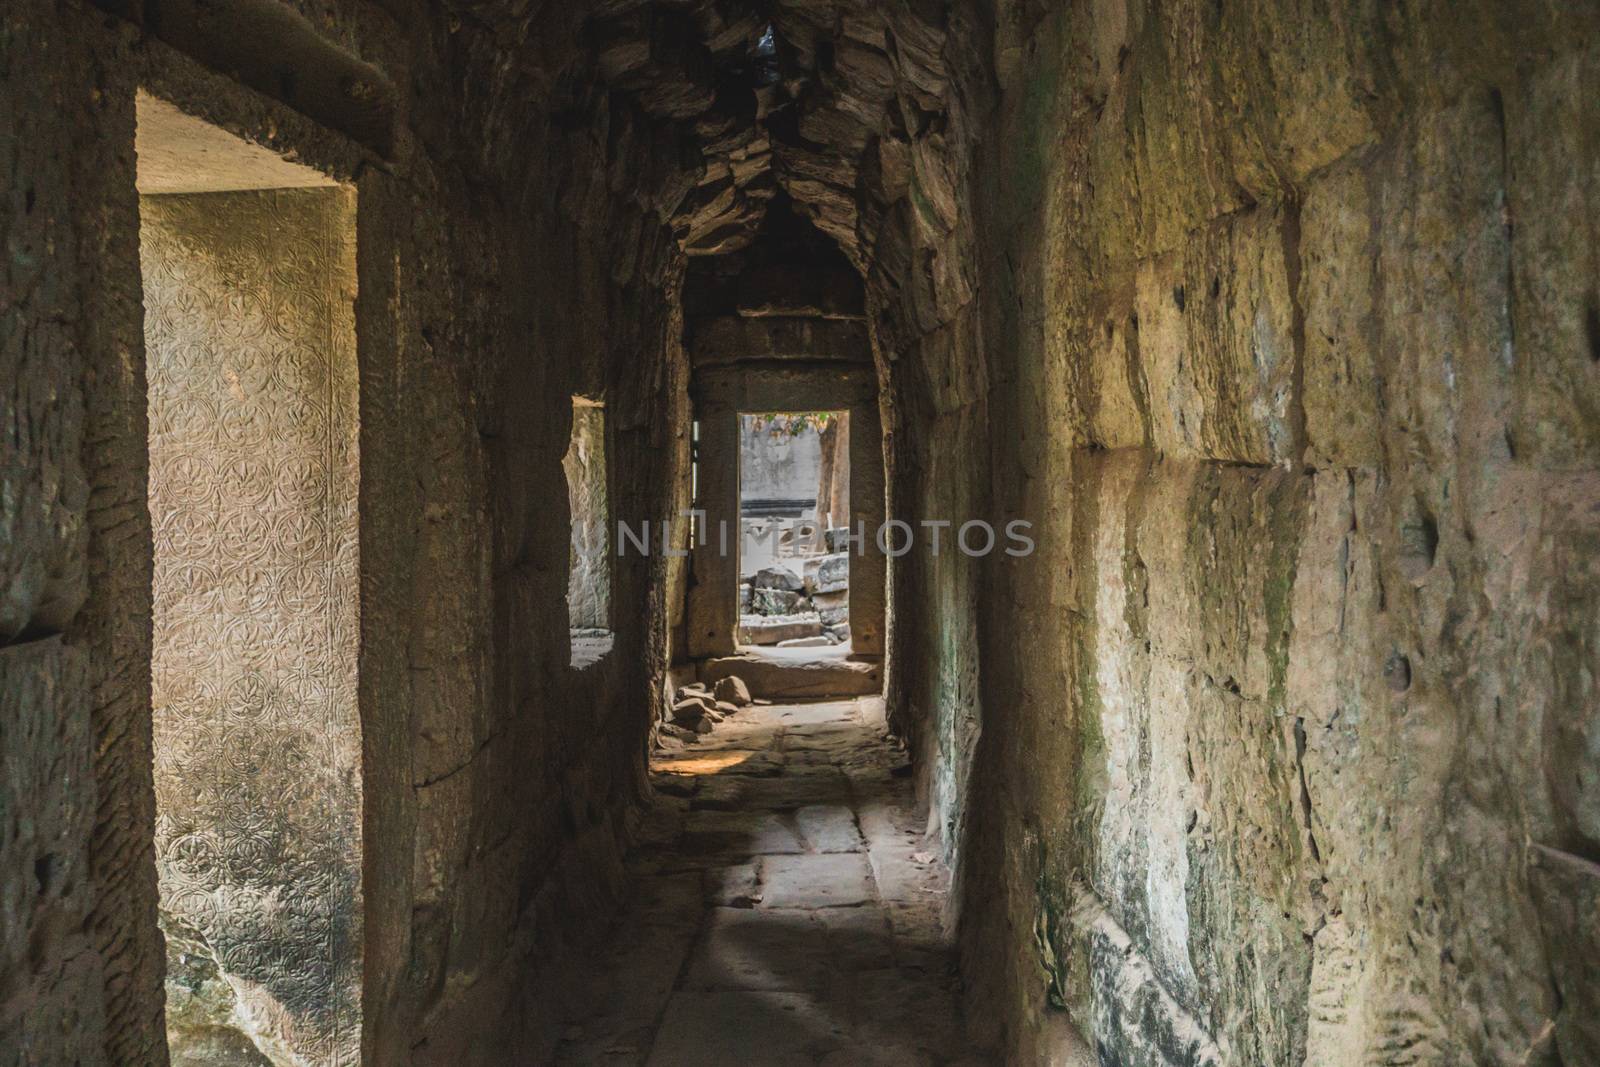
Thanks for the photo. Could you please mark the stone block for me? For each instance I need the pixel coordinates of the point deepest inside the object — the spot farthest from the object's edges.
(775, 1029)
(832, 608)
(738, 886)
(1553, 189)
(1338, 260)
(829, 828)
(830, 881)
(733, 690)
(745, 948)
(1216, 342)
(778, 576)
(765, 601)
(775, 629)
(828, 574)
(734, 338)
(802, 678)
(1115, 401)
(739, 833)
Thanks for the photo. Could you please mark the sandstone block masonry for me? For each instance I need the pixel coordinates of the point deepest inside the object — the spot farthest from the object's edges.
(1279, 730)
(1276, 320)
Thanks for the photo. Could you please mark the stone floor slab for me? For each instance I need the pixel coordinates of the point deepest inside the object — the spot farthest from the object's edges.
(722, 794)
(766, 1028)
(737, 886)
(859, 939)
(829, 828)
(894, 1006)
(762, 949)
(790, 793)
(830, 713)
(831, 881)
(739, 833)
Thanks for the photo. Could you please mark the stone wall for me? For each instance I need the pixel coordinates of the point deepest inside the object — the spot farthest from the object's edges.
(1277, 321)
(80, 947)
(588, 496)
(1286, 727)
(781, 467)
(250, 360)
(498, 784)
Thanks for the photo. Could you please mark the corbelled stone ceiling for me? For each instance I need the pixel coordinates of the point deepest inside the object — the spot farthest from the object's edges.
(819, 98)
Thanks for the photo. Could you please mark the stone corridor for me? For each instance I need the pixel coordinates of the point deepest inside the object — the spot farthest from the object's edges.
(783, 909)
(1207, 551)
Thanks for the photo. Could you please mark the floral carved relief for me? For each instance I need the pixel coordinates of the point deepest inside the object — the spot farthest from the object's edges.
(251, 366)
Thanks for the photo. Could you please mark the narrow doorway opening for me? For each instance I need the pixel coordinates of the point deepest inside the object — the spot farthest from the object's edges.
(248, 266)
(589, 559)
(794, 506)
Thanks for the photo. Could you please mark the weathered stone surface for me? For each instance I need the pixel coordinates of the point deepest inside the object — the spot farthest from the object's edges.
(829, 828)
(1277, 324)
(747, 948)
(1342, 388)
(831, 881)
(738, 886)
(773, 629)
(832, 608)
(828, 574)
(791, 792)
(806, 675)
(730, 338)
(256, 602)
(733, 690)
(776, 1028)
(740, 834)
(45, 756)
(589, 504)
(693, 703)
(1219, 368)
(1287, 362)
(769, 601)
(694, 718)
(869, 975)
(777, 577)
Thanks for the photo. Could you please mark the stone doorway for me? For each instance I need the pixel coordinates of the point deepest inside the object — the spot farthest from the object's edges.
(794, 508)
(248, 269)
(724, 395)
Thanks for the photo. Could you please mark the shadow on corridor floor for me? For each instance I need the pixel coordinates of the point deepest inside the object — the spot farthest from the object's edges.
(783, 910)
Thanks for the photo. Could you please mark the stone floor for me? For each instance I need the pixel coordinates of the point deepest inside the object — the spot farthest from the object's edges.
(784, 909)
(800, 673)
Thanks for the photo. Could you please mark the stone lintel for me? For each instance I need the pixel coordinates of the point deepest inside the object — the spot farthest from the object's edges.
(740, 338)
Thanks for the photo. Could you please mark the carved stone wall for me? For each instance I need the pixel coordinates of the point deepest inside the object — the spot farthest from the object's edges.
(777, 466)
(250, 336)
(589, 574)
(497, 783)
